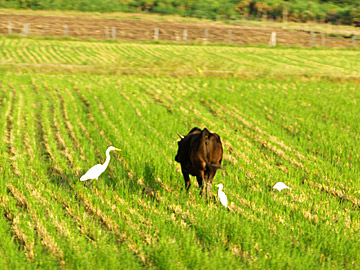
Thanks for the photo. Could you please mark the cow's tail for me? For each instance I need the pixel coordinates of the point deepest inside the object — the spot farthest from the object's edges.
(214, 166)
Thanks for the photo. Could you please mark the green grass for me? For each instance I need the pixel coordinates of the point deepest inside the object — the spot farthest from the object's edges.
(57, 122)
(176, 60)
(318, 27)
(107, 15)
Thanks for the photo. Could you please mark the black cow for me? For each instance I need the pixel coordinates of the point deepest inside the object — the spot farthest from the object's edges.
(200, 154)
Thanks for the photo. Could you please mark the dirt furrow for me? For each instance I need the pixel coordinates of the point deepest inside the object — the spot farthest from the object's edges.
(151, 128)
(257, 137)
(69, 126)
(273, 139)
(18, 231)
(79, 218)
(80, 124)
(12, 152)
(59, 224)
(112, 226)
(60, 141)
(341, 195)
(47, 240)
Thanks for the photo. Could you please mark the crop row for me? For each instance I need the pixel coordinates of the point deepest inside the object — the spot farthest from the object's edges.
(179, 59)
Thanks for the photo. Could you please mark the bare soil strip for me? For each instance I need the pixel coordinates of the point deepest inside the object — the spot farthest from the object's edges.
(18, 231)
(170, 31)
(47, 240)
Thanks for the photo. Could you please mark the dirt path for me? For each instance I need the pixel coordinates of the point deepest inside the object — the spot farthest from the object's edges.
(144, 30)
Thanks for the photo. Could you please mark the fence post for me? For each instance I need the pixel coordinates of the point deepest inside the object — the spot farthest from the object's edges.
(114, 33)
(230, 36)
(272, 41)
(26, 29)
(185, 35)
(9, 28)
(66, 30)
(206, 35)
(354, 40)
(156, 33)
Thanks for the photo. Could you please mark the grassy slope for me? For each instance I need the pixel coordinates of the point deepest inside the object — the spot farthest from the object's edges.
(56, 125)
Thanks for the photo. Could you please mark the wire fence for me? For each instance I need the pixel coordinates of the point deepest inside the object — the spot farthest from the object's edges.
(236, 36)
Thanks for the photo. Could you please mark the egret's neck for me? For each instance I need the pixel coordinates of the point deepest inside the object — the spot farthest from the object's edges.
(106, 163)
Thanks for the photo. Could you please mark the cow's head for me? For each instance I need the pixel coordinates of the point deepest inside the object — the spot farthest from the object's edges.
(184, 144)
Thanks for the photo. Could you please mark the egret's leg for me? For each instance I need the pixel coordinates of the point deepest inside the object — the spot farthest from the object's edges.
(97, 183)
(90, 183)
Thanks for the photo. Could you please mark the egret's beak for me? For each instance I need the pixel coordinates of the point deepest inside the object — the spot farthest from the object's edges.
(117, 149)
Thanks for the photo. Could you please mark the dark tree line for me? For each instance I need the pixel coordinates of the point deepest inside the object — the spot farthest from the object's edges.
(331, 11)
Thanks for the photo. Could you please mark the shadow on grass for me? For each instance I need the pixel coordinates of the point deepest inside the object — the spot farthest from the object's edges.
(144, 183)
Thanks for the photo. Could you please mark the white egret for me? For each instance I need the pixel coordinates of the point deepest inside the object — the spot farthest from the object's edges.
(222, 196)
(94, 172)
(280, 186)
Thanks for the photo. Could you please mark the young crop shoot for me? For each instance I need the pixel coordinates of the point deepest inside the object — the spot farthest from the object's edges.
(94, 172)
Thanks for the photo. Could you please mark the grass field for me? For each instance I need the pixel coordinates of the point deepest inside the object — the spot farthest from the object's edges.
(63, 103)
(177, 60)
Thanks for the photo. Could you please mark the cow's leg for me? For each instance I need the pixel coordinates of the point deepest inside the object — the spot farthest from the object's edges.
(200, 179)
(206, 181)
(187, 180)
(210, 179)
